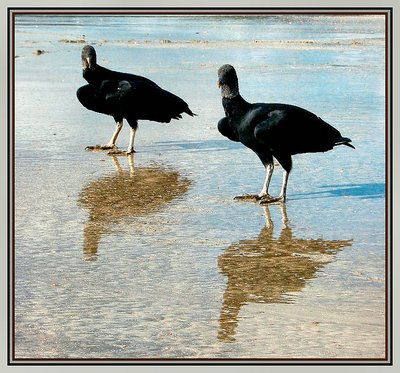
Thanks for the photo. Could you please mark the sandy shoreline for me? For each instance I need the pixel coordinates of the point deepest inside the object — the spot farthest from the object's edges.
(157, 260)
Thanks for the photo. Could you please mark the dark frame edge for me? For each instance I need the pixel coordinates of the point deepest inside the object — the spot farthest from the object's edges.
(12, 361)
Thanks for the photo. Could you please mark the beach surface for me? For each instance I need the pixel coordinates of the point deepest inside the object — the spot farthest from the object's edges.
(150, 256)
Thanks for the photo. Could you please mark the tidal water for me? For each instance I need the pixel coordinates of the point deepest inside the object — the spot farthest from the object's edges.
(150, 256)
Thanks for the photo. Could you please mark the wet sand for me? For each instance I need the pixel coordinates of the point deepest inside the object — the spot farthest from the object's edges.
(150, 256)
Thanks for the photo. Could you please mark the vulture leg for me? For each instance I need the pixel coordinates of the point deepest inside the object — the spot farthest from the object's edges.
(285, 161)
(268, 163)
(113, 139)
(282, 196)
(130, 149)
(263, 195)
(264, 191)
(111, 143)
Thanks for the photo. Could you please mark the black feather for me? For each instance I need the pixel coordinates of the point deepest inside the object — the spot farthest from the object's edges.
(124, 95)
(272, 129)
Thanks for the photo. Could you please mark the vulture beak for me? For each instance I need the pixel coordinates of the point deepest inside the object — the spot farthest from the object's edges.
(86, 64)
(219, 84)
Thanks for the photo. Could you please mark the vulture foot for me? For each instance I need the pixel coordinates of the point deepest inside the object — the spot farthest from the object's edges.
(248, 197)
(120, 152)
(100, 147)
(268, 199)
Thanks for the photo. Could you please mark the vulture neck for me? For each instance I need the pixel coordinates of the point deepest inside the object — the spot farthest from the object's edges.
(234, 106)
(231, 98)
(96, 75)
(230, 91)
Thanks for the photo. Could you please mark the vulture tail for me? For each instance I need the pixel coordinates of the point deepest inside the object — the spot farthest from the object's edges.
(344, 141)
(188, 111)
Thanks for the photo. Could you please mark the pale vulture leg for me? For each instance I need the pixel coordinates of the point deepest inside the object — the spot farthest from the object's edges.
(111, 143)
(264, 192)
(130, 149)
(282, 196)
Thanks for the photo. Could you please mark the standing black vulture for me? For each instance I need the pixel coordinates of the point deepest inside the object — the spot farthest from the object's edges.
(128, 96)
(272, 130)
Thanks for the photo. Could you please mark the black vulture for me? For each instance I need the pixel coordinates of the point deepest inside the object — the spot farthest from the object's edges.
(272, 130)
(124, 95)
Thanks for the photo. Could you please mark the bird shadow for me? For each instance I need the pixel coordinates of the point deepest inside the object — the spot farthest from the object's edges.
(363, 191)
(267, 269)
(194, 145)
(125, 193)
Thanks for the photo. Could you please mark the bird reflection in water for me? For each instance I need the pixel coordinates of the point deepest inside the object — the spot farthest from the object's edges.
(268, 269)
(124, 194)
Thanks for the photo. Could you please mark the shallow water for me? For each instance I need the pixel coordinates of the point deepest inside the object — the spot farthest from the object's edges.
(150, 256)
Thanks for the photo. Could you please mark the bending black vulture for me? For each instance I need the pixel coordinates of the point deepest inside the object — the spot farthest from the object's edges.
(272, 130)
(128, 96)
